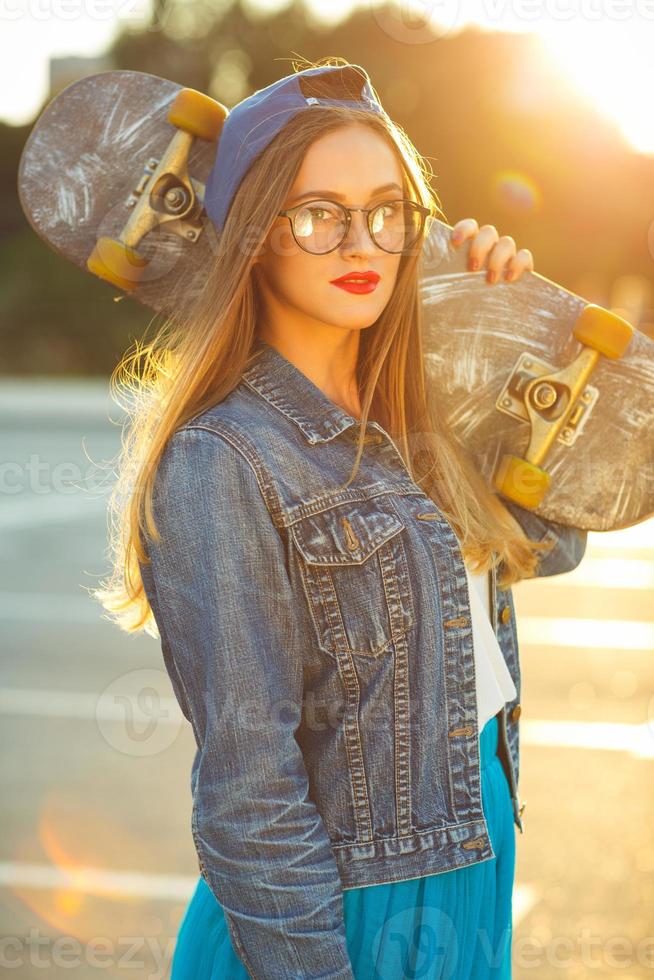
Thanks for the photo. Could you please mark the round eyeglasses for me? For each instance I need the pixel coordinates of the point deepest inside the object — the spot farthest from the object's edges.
(321, 226)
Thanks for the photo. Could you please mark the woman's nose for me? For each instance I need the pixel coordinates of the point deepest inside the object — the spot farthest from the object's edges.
(358, 237)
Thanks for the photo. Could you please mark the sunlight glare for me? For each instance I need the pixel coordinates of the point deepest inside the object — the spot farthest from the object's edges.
(612, 63)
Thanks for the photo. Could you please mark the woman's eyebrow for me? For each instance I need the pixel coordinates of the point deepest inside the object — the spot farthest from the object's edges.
(341, 197)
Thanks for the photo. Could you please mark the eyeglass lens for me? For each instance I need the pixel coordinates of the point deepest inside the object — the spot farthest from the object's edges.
(320, 226)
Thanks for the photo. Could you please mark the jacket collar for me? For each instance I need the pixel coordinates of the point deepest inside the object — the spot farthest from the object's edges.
(293, 394)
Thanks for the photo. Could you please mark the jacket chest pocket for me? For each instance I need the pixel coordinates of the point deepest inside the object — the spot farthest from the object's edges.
(354, 567)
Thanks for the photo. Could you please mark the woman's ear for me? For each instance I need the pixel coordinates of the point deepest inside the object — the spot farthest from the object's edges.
(261, 252)
(257, 274)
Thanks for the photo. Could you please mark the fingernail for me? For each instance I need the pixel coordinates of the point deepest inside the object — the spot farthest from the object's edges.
(473, 265)
(492, 276)
(509, 274)
(456, 237)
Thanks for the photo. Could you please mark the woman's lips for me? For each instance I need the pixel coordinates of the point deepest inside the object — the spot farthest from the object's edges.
(362, 286)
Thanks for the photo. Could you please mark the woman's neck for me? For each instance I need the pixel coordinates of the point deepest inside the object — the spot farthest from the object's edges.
(330, 368)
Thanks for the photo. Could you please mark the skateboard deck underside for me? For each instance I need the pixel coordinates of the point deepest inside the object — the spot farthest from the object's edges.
(474, 334)
(82, 161)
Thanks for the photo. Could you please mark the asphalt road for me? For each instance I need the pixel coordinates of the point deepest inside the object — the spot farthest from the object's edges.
(97, 861)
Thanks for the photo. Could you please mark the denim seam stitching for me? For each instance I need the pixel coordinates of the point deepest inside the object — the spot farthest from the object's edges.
(354, 686)
(247, 451)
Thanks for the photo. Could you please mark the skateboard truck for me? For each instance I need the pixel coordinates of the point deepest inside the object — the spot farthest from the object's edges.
(556, 403)
(165, 194)
(548, 397)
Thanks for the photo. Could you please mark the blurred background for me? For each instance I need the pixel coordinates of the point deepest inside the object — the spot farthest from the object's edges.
(537, 118)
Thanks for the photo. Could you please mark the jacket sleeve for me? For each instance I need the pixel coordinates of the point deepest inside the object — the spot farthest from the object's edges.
(224, 607)
(569, 542)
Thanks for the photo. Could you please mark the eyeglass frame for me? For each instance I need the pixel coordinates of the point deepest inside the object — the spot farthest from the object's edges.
(289, 213)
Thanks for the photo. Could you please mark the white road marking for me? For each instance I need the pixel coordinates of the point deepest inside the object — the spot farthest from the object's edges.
(637, 536)
(60, 398)
(167, 887)
(608, 736)
(523, 900)
(589, 634)
(598, 573)
(97, 881)
(581, 634)
(56, 508)
(80, 705)
(50, 607)
(636, 739)
(594, 574)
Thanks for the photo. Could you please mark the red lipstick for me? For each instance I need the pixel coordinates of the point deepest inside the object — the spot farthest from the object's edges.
(358, 282)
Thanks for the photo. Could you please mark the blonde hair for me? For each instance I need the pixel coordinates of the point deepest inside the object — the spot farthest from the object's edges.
(198, 355)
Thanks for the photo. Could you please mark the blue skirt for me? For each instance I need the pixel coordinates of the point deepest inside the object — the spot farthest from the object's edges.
(456, 925)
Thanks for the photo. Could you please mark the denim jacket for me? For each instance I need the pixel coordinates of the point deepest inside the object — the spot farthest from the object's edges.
(319, 642)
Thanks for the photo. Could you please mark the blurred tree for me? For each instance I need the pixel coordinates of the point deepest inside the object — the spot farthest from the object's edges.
(12, 219)
(56, 319)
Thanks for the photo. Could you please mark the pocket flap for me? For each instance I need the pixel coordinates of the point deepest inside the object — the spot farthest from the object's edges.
(348, 533)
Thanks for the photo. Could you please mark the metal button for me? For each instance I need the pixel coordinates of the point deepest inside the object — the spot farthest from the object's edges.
(516, 711)
(369, 439)
(459, 621)
(505, 615)
(465, 730)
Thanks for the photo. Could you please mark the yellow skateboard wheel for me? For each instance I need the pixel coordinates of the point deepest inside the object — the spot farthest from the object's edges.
(603, 331)
(117, 263)
(197, 114)
(521, 481)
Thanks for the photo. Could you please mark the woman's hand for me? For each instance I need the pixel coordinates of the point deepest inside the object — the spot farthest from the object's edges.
(500, 251)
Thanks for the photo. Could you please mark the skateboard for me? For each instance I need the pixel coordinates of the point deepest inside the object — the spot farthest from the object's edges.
(552, 396)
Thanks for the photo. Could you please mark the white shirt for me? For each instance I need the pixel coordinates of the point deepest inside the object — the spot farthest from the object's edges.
(493, 681)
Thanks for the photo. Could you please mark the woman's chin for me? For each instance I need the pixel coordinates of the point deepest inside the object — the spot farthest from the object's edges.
(355, 320)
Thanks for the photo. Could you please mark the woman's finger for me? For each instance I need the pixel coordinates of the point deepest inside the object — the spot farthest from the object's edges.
(462, 230)
(522, 261)
(501, 255)
(481, 246)
(487, 244)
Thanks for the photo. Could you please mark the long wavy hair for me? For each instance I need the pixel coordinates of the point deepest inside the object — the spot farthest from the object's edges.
(198, 355)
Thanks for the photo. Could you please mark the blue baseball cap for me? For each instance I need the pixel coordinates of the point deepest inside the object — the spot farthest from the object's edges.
(253, 123)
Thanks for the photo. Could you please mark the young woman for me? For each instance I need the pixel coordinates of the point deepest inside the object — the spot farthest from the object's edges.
(329, 576)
